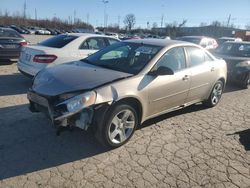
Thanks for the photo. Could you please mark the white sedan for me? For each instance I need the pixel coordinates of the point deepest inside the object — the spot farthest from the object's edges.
(60, 49)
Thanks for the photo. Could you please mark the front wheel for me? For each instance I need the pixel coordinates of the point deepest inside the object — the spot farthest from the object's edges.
(246, 82)
(215, 95)
(121, 122)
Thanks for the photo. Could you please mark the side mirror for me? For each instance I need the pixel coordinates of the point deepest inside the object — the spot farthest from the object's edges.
(161, 71)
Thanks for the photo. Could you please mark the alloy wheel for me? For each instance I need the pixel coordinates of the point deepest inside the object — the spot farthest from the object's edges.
(217, 92)
(121, 126)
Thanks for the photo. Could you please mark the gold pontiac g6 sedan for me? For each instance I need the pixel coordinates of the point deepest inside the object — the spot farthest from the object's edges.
(120, 87)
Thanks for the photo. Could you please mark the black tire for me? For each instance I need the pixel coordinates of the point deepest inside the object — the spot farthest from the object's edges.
(103, 133)
(211, 101)
(246, 82)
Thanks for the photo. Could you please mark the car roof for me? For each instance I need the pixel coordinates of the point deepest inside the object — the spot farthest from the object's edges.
(160, 42)
(197, 37)
(227, 38)
(238, 42)
(6, 29)
(88, 35)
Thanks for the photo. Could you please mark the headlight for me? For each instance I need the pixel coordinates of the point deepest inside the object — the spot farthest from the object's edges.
(79, 102)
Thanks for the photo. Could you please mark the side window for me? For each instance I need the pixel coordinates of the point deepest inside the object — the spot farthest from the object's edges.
(84, 46)
(204, 43)
(112, 41)
(173, 59)
(196, 56)
(210, 43)
(93, 44)
(118, 53)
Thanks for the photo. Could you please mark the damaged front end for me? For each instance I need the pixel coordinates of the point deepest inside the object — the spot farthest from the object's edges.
(69, 110)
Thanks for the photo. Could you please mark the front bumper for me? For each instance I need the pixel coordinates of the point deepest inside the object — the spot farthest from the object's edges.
(92, 116)
(239, 75)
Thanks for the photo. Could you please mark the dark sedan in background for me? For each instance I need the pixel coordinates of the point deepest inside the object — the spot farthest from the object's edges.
(237, 57)
(11, 43)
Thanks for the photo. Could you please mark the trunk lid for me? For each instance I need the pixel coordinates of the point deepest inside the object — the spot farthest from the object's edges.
(29, 52)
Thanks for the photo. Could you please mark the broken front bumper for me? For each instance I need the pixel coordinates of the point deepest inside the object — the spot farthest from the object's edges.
(91, 116)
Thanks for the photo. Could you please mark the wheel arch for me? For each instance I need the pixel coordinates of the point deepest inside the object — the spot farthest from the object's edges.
(134, 102)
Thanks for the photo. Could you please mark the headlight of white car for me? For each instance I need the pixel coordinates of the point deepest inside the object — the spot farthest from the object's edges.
(77, 103)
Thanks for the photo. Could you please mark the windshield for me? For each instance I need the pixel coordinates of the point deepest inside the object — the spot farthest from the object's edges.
(124, 56)
(58, 41)
(234, 49)
(9, 33)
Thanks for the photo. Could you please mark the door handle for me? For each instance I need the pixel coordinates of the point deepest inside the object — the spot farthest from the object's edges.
(185, 78)
(212, 69)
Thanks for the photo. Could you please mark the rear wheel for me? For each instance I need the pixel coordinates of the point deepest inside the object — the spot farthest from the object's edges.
(215, 95)
(119, 127)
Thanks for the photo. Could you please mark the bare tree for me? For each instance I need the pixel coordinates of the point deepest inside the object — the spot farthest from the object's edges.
(129, 21)
(155, 25)
(183, 23)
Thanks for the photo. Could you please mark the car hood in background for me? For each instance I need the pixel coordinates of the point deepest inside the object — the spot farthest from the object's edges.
(73, 77)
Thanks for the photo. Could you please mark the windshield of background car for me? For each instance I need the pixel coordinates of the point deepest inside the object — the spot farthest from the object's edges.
(192, 40)
(235, 49)
(124, 57)
(58, 41)
(9, 33)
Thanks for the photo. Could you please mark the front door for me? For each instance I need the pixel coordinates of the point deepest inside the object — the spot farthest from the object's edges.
(169, 91)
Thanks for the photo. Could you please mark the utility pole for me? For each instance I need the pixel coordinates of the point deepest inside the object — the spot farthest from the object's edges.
(24, 9)
(162, 18)
(35, 14)
(228, 20)
(87, 18)
(74, 16)
(119, 19)
(105, 2)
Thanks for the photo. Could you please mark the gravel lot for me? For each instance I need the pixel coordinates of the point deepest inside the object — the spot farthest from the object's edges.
(194, 147)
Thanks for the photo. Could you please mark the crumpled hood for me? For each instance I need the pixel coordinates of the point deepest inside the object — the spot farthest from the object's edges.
(73, 77)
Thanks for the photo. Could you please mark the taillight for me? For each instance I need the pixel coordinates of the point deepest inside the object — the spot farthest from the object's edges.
(44, 58)
(24, 43)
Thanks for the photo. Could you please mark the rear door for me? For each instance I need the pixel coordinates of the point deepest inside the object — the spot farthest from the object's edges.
(203, 73)
(91, 45)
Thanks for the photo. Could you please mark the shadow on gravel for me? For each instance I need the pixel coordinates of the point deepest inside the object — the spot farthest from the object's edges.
(28, 143)
(189, 109)
(232, 87)
(14, 84)
(244, 138)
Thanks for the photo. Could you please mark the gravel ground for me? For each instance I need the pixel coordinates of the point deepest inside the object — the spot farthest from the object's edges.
(193, 147)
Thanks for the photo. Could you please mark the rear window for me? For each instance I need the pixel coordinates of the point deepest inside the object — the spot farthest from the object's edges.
(58, 41)
(9, 33)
